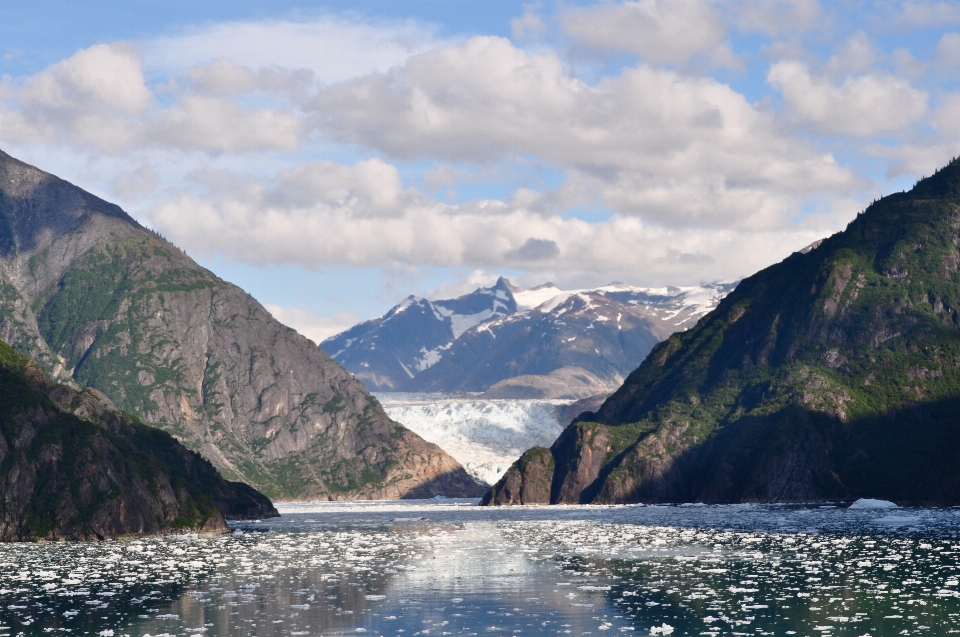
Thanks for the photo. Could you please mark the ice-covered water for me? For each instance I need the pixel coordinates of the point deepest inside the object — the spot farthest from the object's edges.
(484, 435)
(451, 568)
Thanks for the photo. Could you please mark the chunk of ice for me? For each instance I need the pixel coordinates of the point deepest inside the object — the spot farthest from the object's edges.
(869, 503)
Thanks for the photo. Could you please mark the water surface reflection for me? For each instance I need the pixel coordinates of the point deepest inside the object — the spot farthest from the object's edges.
(451, 568)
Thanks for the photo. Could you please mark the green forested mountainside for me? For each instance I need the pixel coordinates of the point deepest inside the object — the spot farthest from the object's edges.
(72, 466)
(99, 300)
(833, 374)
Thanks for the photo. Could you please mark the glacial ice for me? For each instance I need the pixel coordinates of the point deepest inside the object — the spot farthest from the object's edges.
(484, 435)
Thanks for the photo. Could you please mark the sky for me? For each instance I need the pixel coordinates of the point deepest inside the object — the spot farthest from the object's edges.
(333, 157)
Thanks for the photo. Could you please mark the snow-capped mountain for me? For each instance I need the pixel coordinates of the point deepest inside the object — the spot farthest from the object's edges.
(542, 342)
(387, 353)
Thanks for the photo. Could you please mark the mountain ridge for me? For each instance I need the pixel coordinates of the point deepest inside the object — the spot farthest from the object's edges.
(834, 374)
(518, 338)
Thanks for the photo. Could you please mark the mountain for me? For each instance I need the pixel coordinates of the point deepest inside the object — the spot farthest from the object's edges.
(513, 343)
(386, 353)
(101, 301)
(74, 467)
(834, 374)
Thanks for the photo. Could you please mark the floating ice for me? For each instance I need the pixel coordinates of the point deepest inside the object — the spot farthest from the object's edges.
(869, 503)
(665, 629)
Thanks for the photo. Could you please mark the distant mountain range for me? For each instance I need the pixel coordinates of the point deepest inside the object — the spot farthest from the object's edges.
(510, 342)
(102, 302)
(834, 374)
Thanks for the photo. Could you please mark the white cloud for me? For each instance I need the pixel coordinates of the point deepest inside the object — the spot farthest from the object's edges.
(222, 77)
(333, 48)
(862, 105)
(132, 184)
(316, 327)
(658, 31)
(350, 222)
(100, 77)
(94, 97)
(673, 148)
(97, 99)
(856, 55)
(211, 123)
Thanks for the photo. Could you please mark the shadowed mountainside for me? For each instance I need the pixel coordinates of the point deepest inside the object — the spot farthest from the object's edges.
(834, 374)
(74, 467)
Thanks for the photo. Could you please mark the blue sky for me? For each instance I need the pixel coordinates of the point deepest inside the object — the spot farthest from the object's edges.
(331, 158)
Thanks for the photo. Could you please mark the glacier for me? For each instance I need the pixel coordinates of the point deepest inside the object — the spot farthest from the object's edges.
(484, 435)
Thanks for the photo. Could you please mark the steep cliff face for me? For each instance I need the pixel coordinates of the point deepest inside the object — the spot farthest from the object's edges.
(74, 467)
(95, 297)
(833, 374)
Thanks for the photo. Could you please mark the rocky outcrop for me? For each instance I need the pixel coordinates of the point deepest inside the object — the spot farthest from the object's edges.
(73, 467)
(99, 300)
(528, 481)
(834, 374)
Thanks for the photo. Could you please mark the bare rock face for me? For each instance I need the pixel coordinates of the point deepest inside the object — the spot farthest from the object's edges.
(527, 481)
(73, 467)
(99, 300)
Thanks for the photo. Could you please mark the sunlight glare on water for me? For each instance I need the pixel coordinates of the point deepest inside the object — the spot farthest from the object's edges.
(450, 568)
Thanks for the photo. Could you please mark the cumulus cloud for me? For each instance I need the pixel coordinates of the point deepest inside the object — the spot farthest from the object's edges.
(349, 220)
(95, 97)
(210, 123)
(675, 148)
(658, 31)
(98, 99)
(864, 105)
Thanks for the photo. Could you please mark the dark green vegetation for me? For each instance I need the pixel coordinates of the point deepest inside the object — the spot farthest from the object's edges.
(99, 301)
(833, 374)
(74, 467)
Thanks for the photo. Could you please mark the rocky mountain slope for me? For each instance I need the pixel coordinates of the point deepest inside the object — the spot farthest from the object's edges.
(96, 298)
(834, 374)
(74, 467)
(515, 343)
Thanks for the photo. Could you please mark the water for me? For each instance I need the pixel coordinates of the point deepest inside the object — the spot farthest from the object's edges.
(451, 568)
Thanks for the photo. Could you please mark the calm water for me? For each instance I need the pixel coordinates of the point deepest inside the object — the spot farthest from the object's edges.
(451, 568)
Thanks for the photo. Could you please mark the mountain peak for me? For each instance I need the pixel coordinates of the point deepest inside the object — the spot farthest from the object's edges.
(503, 283)
(36, 207)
